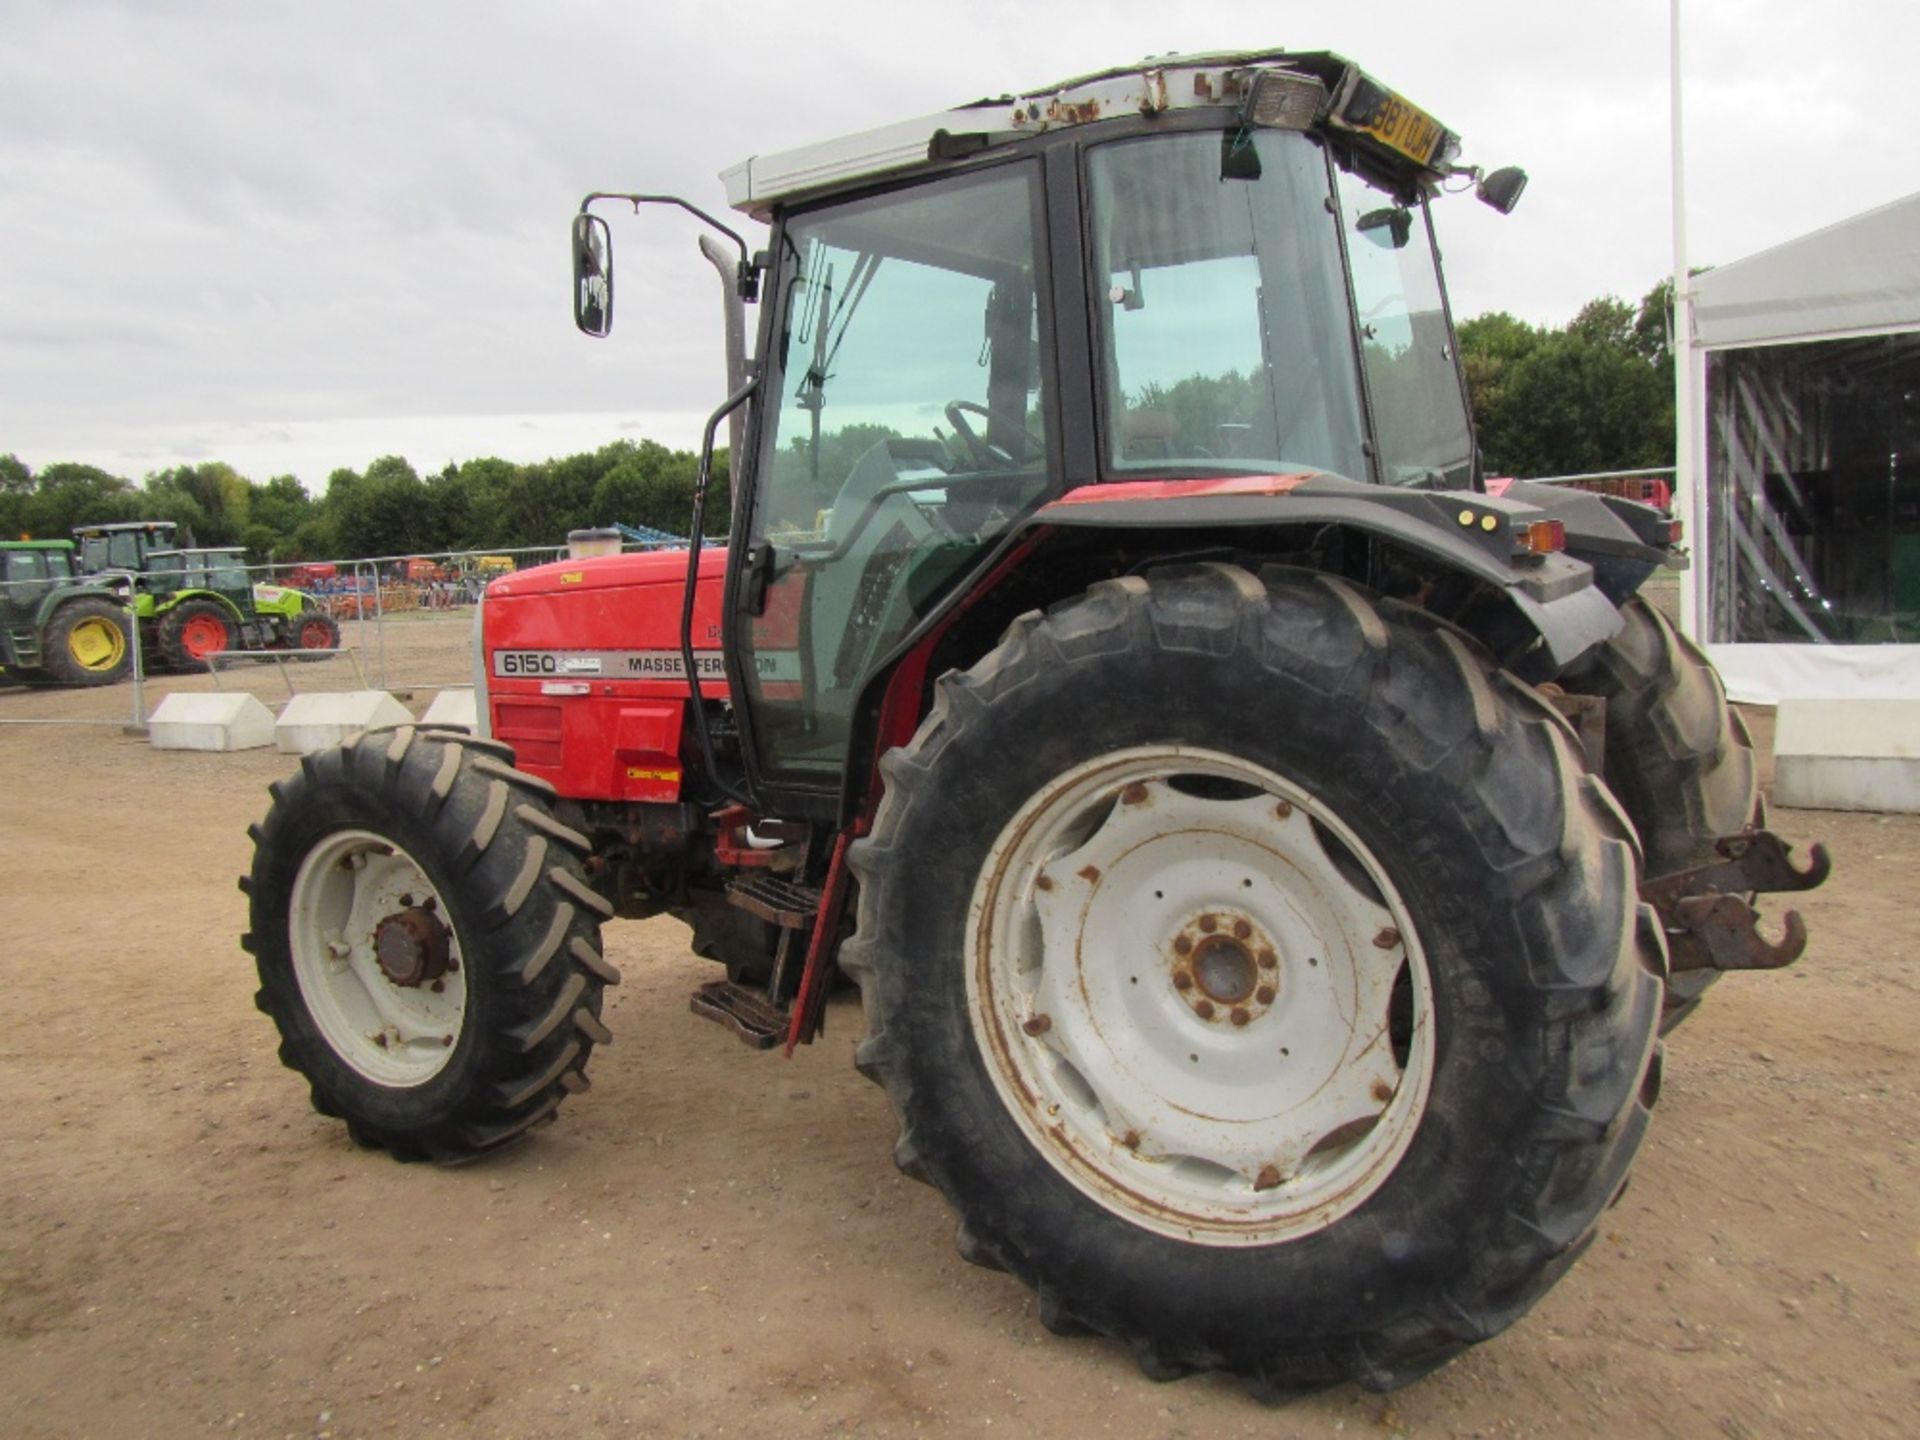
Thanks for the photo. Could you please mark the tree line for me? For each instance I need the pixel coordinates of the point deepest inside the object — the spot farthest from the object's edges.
(386, 509)
(1594, 394)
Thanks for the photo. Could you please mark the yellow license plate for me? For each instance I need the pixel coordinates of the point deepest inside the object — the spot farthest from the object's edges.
(1404, 128)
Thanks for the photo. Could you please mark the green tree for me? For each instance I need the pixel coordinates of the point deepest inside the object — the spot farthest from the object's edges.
(1596, 394)
(66, 495)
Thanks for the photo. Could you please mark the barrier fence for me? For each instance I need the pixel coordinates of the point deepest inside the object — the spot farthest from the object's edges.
(405, 622)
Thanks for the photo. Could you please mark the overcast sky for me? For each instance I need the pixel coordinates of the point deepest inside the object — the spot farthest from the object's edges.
(295, 236)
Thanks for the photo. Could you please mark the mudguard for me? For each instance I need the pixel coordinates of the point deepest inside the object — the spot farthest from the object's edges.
(1462, 530)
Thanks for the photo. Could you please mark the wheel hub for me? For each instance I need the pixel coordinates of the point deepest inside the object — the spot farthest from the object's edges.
(1225, 968)
(377, 962)
(412, 947)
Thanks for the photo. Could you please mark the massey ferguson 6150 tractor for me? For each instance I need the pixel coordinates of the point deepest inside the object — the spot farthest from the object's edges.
(1268, 861)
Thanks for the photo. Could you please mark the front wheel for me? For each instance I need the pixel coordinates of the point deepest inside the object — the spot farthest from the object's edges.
(1259, 976)
(315, 630)
(427, 943)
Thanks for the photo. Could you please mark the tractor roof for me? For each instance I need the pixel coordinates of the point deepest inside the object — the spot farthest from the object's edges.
(118, 525)
(1396, 133)
(36, 545)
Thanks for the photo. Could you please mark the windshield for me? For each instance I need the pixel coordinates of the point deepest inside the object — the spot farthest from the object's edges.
(1224, 321)
(1227, 326)
(1419, 413)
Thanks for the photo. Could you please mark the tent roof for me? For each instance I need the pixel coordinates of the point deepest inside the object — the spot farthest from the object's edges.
(1861, 274)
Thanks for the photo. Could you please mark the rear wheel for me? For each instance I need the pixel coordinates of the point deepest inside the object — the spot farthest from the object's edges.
(427, 943)
(89, 643)
(1678, 757)
(1258, 976)
(193, 630)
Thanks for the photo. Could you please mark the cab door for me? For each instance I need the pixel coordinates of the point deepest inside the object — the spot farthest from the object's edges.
(907, 431)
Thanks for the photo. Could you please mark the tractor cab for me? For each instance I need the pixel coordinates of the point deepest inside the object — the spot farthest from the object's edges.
(1218, 269)
(126, 545)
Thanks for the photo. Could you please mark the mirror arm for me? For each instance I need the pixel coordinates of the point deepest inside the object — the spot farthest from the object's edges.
(746, 278)
(735, 310)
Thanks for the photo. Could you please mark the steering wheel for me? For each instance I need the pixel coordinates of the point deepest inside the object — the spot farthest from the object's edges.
(985, 452)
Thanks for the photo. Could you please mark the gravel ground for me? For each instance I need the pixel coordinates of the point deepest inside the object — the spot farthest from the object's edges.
(715, 1242)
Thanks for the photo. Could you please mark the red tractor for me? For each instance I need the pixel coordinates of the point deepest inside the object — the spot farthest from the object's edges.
(1268, 861)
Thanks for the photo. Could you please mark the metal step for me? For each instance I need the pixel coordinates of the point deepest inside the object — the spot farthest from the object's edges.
(748, 1013)
(777, 901)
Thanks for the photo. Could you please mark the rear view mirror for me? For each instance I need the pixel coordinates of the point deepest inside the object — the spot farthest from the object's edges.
(1390, 228)
(592, 275)
(1503, 188)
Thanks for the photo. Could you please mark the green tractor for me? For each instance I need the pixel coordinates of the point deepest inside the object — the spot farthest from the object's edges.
(56, 627)
(193, 603)
(197, 603)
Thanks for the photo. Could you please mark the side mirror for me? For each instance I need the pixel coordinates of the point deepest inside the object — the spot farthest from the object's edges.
(1503, 188)
(592, 275)
(1388, 228)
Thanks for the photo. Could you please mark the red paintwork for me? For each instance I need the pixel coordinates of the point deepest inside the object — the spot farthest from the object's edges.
(621, 740)
(203, 635)
(812, 994)
(1125, 490)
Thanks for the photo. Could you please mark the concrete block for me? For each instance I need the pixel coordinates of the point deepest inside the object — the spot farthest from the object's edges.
(314, 721)
(1851, 754)
(453, 710)
(210, 722)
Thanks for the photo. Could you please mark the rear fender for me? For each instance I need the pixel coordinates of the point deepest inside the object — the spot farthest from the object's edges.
(1472, 534)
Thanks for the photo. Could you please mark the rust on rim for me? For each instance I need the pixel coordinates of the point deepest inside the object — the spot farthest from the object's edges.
(412, 947)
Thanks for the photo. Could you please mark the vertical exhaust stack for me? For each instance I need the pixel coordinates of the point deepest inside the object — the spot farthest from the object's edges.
(736, 331)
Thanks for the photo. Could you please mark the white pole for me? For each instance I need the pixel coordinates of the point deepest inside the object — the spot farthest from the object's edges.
(1689, 497)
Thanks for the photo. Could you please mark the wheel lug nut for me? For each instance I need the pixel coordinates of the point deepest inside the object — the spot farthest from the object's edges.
(1204, 1009)
(1387, 938)
(1131, 1140)
(1264, 994)
(1239, 1015)
(1382, 1091)
(1268, 960)
(1038, 1025)
(1267, 1179)
(1182, 945)
(1209, 923)
(1182, 980)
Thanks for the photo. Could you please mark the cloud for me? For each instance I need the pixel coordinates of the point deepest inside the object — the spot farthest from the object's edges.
(227, 214)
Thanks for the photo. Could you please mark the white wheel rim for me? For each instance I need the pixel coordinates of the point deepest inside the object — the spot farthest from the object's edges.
(1263, 1096)
(396, 1035)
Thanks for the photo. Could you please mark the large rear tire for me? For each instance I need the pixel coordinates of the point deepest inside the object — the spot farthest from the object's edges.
(427, 943)
(89, 642)
(1259, 976)
(1678, 757)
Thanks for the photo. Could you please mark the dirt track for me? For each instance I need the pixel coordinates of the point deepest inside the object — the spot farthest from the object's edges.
(714, 1242)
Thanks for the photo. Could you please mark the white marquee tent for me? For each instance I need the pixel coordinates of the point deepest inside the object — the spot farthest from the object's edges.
(1805, 367)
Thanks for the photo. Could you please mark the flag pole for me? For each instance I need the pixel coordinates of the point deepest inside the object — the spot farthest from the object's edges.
(1689, 497)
